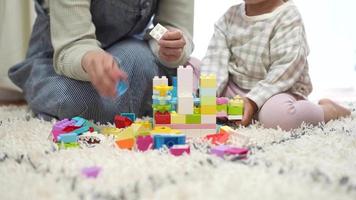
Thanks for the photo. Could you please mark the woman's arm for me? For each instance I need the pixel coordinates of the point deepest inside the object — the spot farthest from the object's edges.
(73, 35)
(175, 15)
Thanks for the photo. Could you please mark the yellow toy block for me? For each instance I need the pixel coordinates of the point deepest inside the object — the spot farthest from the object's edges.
(140, 130)
(177, 118)
(164, 130)
(196, 110)
(110, 131)
(208, 109)
(208, 81)
(162, 89)
(125, 133)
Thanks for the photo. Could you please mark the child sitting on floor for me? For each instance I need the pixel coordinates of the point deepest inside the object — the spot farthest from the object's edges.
(259, 51)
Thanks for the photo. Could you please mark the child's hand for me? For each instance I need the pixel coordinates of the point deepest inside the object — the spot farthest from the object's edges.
(250, 108)
(103, 71)
(171, 45)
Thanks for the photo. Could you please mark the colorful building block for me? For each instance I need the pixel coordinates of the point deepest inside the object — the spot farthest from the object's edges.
(131, 116)
(168, 140)
(219, 138)
(208, 110)
(185, 82)
(91, 172)
(67, 137)
(144, 143)
(125, 134)
(208, 100)
(122, 122)
(185, 104)
(162, 117)
(207, 92)
(125, 143)
(193, 119)
(178, 150)
(160, 81)
(164, 130)
(208, 119)
(110, 131)
(208, 81)
(177, 118)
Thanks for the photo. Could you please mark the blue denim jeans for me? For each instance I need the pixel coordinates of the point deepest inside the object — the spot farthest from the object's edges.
(54, 96)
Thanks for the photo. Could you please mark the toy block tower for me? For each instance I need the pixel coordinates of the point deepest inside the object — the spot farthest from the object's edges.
(161, 100)
(185, 90)
(208, 99)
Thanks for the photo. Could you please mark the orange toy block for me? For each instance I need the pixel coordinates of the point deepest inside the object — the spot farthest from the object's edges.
(126, 143)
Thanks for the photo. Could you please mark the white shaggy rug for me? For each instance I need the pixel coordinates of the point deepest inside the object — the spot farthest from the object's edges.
(308, 163)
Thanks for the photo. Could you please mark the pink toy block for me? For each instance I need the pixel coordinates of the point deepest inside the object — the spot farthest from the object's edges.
(178, 150)
(236, 151)
(222, 100)
(144, 143)
(192, 126)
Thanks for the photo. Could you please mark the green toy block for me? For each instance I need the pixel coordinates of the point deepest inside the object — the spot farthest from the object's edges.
(234, 110)
(162, 108)
(196, 110)
(204, 100)
(221, 108)
(193, 119)
(68, 145)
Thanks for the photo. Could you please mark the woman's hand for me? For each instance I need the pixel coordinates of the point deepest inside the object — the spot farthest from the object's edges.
(171, 45)
(103, 71)
(250, 108)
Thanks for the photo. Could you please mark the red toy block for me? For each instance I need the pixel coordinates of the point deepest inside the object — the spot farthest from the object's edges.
(218, 138)
(162, 118)
(122, 122)
(69, 129)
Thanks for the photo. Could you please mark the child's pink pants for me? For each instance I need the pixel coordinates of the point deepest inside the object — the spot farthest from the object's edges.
(283, 110)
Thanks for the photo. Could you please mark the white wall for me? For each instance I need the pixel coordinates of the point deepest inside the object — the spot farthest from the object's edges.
(331, 32)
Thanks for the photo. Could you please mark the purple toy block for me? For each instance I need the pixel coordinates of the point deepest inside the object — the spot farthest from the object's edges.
(91, 172)
(178, 150)
(59, 126)
(144, 142)
(219, 150)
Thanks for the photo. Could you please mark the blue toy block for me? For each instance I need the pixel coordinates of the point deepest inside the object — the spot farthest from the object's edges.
(175, 86)
(131, 116)
(81, 130)
(121, 87)
(67, 138)
(168, 140)
(79, 121)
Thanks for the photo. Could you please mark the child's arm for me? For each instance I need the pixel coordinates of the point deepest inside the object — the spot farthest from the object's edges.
(216, 60)
(177, 45)
(288, 55)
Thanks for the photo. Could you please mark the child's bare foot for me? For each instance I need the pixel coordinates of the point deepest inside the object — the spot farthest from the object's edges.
(333, 110)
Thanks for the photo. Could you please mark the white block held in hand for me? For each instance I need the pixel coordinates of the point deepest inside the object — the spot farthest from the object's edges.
(158, 31)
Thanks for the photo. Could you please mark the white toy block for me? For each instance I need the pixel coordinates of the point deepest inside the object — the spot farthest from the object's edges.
(207, 92)
(208, 119)
(185, 105)
(160, 81)
(185, 80)
(158, 31)
(234, 117)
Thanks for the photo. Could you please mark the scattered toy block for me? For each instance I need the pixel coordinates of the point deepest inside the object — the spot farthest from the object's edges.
(122, 122)
(164, 130)
(218, 138)
(168, 140)
(178, 150)
(125, 143)
(219, 150)
(125, 133)
(131, 116)
(144, 143)
(91, 172)
(110, 131)
(67, 138)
